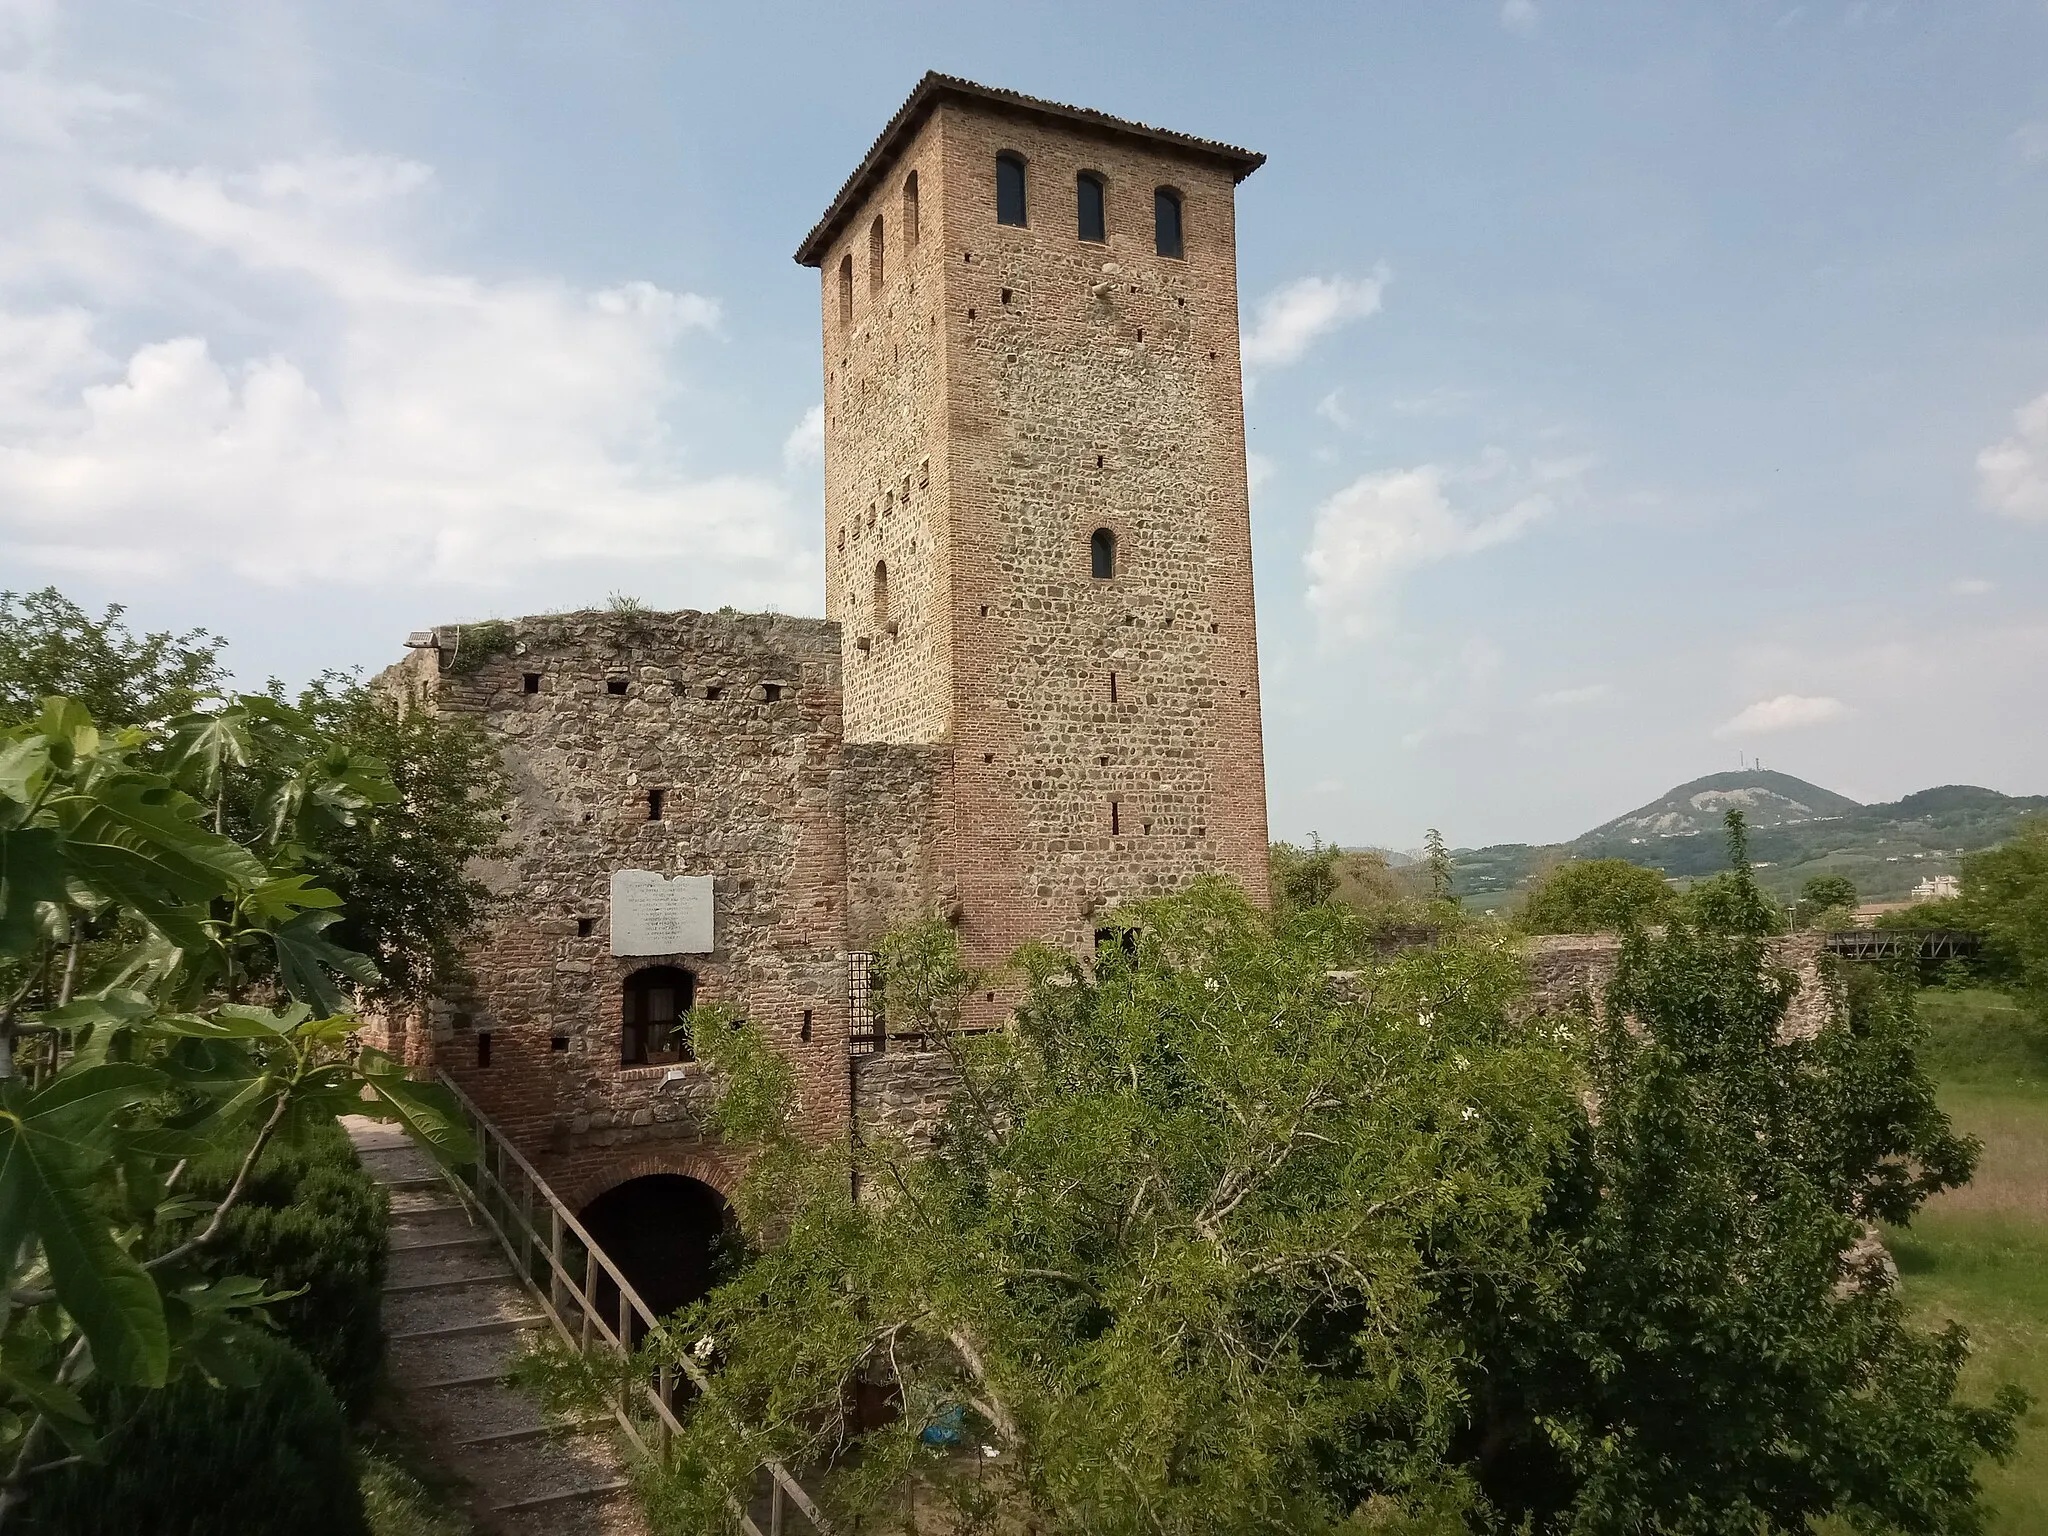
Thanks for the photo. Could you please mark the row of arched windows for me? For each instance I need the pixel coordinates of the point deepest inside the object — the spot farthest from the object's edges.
(1091, 206)
(1013, 207)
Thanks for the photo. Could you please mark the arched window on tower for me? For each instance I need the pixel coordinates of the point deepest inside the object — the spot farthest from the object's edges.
(654, 1028)
(1089, 205)
(910, 212)
(1102, 554)
(846, 289)
(881, 594)
(875, 255)
(1168, 238)
(1010, 188)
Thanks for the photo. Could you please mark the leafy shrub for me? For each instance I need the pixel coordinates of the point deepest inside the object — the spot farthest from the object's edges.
(1596, 896)
(199, 1460)
(311, 1217)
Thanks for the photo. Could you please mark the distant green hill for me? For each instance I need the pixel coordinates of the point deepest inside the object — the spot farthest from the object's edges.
(1797, 830)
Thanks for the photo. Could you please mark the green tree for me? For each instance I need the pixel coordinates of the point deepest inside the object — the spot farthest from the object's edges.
(1732, 902)
(49, 645)
(1827, 901)
(2005, 894)
(167, 995)
(1304, 877)
(1437, 861)
(1722, 1356)
(1596, 896)
(1174, 1257)
(1246, 1228)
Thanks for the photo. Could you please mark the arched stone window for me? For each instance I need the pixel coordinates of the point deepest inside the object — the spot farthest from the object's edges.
(875, 255)
(1091, 207)
(1010, 206)
(1168, 238)
(881, 592)
(1102, 554)
(846, 288)
(654, 1028)
(910, 212)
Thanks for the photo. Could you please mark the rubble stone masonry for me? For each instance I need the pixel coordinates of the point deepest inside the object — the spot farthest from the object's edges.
(1029, 388)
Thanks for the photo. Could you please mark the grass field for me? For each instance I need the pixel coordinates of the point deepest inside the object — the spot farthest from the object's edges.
(1979, 1255)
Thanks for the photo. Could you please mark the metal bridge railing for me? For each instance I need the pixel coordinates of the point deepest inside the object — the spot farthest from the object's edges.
(593, 1307)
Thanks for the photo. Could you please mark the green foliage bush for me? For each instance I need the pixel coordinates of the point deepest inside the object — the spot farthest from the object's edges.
(195, 1459)
(1596, 896)
(311, 1218)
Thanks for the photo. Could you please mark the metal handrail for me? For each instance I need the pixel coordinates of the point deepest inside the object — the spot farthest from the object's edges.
(568, 1297)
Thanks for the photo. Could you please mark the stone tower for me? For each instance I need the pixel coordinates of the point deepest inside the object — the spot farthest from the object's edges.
(1038, 538)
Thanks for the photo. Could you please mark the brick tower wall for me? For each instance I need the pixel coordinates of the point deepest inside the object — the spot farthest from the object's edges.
(753, 796)
(1067, 386)
(885, 467)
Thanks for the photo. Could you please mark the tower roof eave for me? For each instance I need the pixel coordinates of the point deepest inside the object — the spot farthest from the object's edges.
(935, 88)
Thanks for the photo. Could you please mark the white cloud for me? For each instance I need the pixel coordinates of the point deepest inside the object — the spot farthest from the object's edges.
(806, 441)
(1331, 409)
(1518, 15)
(1291, 319)
(1382, 526)
(1969, 586)
(1786, 712)
(2012, 476)
(253, 371)
(1570, 698)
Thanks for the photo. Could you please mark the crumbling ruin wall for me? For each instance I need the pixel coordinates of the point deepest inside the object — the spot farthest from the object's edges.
(734, 720)
(1567, 967)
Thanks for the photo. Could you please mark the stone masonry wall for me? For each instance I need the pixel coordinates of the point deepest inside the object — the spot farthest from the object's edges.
(736, 719)
(885, 462)
(903, 1093)
(1565, 966)
(898, 819)
(1074, 386)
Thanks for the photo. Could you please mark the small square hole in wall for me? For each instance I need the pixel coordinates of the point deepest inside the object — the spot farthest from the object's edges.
(772, 692)
(807, 1024)
(558, 1042)
(460, 1021)
(988, 757)
(714, 691)
(615, 685)
(991, 997)
(1006, 295)
(585, 927)
(984, 610)
(483, 1047)
(533, 682)
(970, 314)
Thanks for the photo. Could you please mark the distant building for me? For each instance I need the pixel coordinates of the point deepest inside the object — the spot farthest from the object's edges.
(1937, 888)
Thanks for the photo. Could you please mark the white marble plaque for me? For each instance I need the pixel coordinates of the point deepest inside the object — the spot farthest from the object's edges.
(652, 915)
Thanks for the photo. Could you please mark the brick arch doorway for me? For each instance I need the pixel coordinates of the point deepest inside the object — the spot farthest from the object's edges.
(672, 1236)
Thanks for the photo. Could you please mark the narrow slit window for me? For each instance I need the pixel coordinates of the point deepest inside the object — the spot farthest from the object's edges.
(1102, 554)
(1112, 687)
(1010, 208)
(1090, 207)
(1168, 238)
(846, 289)
(657, 800)
(807, 1012)
(483, 1047)
(875, 255)
(910, 212)
(1115, 818)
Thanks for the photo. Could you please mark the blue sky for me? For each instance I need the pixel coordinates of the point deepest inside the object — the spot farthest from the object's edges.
(1636, 389)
